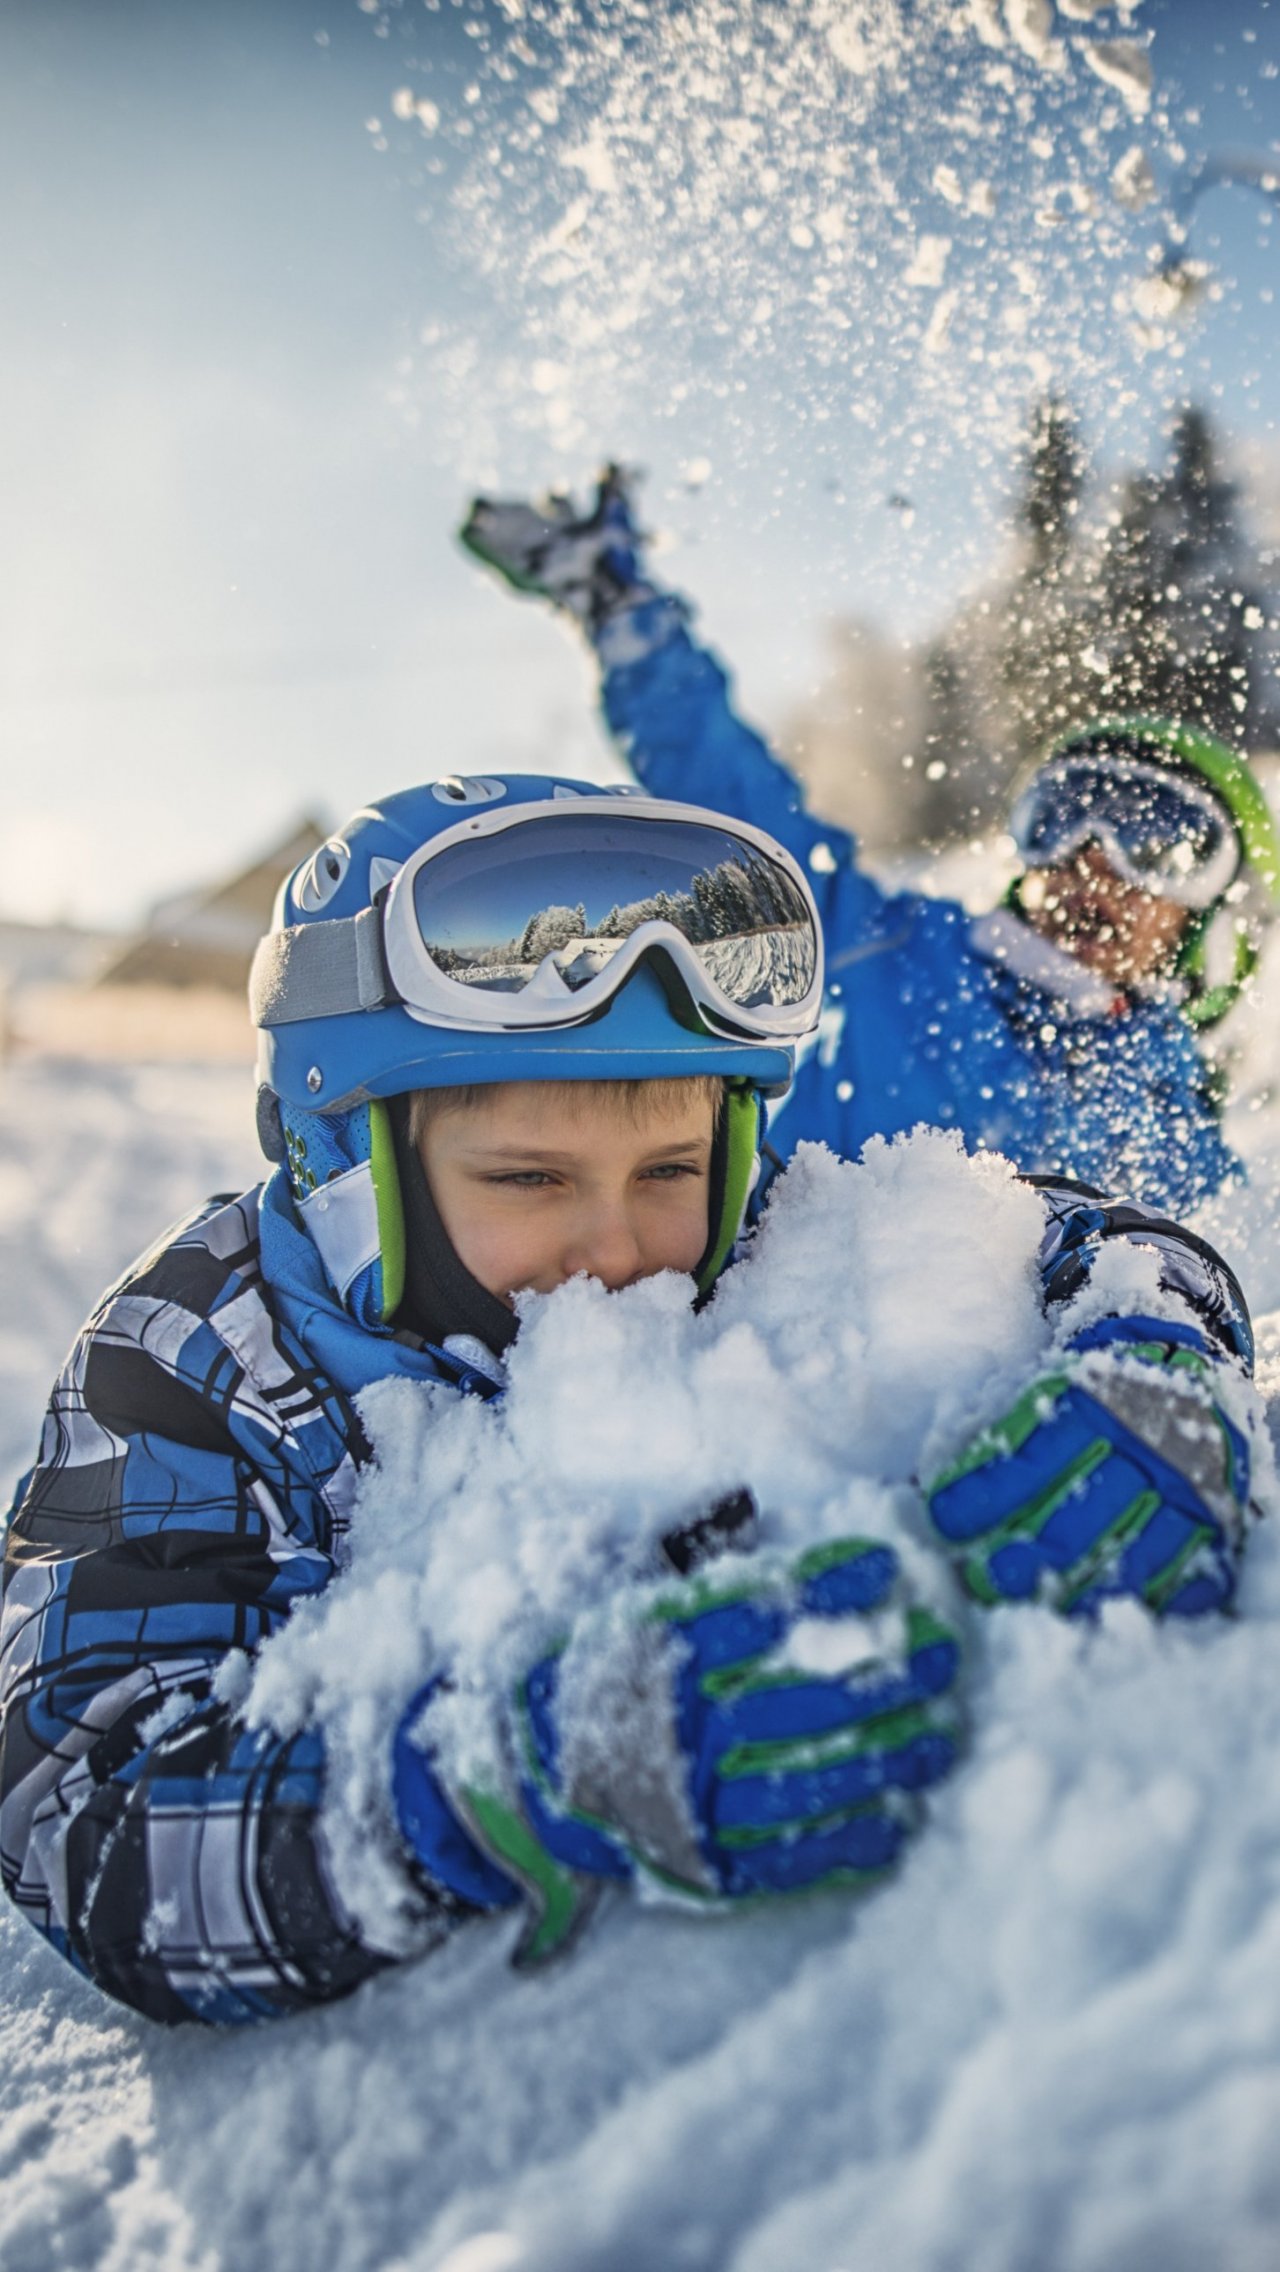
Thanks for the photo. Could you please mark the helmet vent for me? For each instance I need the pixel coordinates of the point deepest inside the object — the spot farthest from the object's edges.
(472, 789)
(322, 876)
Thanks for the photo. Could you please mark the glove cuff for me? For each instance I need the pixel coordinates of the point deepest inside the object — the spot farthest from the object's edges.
(1146, 1335)
(435, 1829)
(635, 624)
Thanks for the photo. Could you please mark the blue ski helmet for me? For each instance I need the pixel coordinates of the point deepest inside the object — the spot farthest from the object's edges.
(324, 1073)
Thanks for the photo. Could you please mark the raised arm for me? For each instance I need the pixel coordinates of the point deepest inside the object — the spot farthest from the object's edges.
(666, 700)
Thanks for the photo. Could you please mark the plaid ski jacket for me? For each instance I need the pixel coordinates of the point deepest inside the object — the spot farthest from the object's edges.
(195, 1479)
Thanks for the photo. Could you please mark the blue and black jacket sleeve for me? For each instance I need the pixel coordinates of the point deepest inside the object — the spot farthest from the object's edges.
(1080, 1222)
(191, 1486)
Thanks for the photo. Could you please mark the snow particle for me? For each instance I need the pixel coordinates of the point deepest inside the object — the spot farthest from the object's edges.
(1132, 181)
(1125, 65)
(939, 324)
(1031, 29)
(985, 18)
(849, 47)
(928, 262)
(594, 159)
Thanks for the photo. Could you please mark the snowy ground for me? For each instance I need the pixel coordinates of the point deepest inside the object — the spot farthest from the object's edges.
(1053, 2041)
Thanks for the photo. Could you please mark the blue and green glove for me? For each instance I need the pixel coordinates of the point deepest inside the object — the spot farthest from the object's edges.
(687, 1742)
(1120, 1473)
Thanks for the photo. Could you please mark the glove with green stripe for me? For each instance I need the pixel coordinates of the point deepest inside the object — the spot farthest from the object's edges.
(694, 1742)
(1119, 1474)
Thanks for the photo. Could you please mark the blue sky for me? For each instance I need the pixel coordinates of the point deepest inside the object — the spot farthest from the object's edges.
(267, 326)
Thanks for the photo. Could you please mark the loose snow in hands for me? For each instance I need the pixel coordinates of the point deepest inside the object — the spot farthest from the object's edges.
(835, 1364)
(1052, 2040)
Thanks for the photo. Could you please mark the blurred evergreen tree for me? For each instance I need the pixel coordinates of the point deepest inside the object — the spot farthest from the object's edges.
(1165, 605)
(1180, 607)
(1039, 660)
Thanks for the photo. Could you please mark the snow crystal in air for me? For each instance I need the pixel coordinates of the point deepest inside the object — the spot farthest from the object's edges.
(986, 20)
(1031, 29)
(1132, 179)
(1125, 65)
(849, 47)
(929, 261)
(939, 324)
(626, 189)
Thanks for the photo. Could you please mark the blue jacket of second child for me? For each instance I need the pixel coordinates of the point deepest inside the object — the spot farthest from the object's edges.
(932, 1014)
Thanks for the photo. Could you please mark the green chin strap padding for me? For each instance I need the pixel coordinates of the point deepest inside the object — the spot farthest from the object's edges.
(1206, 1005)
(741, 1134)
(390, 1206)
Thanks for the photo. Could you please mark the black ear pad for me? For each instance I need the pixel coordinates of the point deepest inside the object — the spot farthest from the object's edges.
(440, 1295)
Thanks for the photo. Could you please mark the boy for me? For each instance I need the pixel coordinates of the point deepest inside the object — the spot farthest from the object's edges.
(1058, 1028)
(514, 1029)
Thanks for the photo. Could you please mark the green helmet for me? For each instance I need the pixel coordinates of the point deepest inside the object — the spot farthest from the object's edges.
(1187, 749)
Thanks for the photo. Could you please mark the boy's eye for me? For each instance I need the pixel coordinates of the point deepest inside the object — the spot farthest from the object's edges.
(521, 1179)
(670, 1170)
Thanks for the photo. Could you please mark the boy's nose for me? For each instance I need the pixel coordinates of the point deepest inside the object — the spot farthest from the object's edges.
(607, 1248)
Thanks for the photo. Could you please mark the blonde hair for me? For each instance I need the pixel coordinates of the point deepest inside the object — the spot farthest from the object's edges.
(639, 1100)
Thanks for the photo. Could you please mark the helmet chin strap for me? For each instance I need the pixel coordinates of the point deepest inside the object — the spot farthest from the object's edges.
(1207, 1005)
(735, 1162)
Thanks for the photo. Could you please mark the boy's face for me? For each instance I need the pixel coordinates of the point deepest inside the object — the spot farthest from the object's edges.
(535, 1185)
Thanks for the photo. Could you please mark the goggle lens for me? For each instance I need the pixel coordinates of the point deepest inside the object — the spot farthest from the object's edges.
(1166, 837)
(555, 899)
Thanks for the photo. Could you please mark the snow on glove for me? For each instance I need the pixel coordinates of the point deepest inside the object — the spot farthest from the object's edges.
(1120, 1474)
(689, 1742)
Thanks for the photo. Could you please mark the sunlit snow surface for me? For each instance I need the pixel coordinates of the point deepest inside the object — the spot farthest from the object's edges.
(1054, 2040)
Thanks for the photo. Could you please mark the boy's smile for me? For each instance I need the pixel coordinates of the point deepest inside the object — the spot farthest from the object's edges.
(536, 1184)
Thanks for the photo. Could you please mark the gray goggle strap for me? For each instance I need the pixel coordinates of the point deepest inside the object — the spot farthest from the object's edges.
(320, 970)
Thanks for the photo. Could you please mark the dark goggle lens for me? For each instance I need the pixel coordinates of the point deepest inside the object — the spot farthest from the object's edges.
(1162, 831)
(491, 911)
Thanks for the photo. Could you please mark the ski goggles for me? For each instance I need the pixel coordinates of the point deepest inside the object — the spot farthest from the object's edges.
(534, 917)
(1161, 832)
